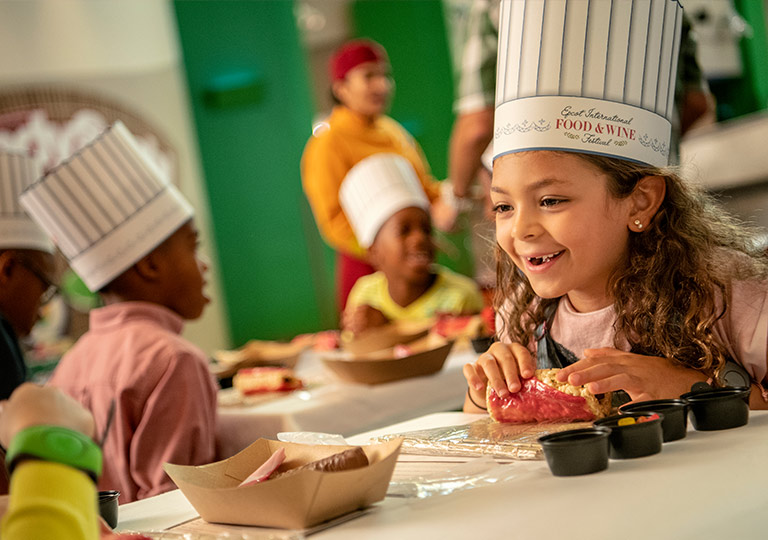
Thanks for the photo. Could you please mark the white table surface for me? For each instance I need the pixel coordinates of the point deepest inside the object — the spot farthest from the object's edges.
(710, 485)
(332, 406)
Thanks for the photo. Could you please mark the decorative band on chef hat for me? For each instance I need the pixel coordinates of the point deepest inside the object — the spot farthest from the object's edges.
(17, 229)
(375, 189)
(594, 76)
(106, 207)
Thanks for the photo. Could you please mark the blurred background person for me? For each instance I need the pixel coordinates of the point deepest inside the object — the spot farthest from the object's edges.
(27, 269)
(389, 213)
(357, 127)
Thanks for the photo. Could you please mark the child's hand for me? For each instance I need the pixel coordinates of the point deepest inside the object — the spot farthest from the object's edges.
(31, 405)
(502, 366)
(642, 377)
(362, 318)
(444, 216)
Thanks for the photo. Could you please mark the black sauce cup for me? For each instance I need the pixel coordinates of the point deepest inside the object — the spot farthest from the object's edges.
(108, 506)
(576, 451)
(674, 426)
(719, 408)
(481, 344)
(634, 440)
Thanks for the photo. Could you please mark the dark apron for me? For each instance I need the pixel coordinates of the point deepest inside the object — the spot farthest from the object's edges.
(550, 354)
(13, 370)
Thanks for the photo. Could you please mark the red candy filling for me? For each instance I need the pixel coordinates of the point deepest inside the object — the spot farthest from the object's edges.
(538, 402)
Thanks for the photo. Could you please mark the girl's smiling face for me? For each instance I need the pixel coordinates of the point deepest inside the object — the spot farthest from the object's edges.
(560, 225)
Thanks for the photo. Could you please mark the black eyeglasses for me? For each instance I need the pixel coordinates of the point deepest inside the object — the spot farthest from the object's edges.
(51, 289)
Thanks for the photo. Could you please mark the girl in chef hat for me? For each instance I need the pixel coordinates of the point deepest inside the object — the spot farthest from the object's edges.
(609, 265)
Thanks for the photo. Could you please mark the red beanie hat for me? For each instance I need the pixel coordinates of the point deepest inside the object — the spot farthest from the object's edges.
(354, 53)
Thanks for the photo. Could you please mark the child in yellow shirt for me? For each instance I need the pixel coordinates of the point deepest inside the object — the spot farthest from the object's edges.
(358, 127)
(389, 213)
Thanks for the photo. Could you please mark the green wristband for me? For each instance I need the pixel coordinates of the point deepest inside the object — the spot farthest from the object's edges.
(57, 444)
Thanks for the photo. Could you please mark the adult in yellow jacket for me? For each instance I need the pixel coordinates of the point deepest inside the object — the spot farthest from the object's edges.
(356, 128)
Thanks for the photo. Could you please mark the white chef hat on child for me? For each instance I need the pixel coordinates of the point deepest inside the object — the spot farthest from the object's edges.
(106, 207)
(595, 77)
(375, 189)
(17, 229)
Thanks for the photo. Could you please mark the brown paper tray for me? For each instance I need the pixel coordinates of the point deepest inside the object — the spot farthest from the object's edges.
(257, 354)
(385, 337)
(429, 355)
(297, 501)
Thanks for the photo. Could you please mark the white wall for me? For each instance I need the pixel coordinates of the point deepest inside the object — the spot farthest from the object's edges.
(126, 52)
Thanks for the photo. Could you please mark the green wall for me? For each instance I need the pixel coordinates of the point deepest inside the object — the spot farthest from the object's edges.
(748, 93)
(250, 95)
(754, 51)
(252, 109)
(414, 34)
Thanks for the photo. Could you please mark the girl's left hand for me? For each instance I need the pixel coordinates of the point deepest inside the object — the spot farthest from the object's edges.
(642, 377)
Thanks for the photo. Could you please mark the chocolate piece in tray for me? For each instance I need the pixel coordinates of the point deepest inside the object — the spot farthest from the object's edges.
(353, 458)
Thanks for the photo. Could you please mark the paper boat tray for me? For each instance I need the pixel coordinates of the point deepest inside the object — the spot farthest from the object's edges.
(297, 501)
(429, 355)
(384, 337)
(256, 354)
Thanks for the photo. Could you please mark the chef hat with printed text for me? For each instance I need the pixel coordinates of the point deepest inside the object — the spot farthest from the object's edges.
(17, 229)
(593, 76)
(375, 189)
(106, 206)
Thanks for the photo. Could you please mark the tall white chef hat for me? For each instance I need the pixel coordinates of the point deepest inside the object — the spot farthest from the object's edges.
(106, 207)
(375, 189)
(17, 229)
(593, 76)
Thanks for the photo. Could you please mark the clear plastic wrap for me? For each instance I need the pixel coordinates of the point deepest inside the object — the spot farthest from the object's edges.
(458, 477)
(311, 437)
(480, 438)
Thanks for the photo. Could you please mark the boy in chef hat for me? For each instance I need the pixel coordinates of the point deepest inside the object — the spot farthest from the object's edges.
(130, 235)
(389, 213)
(609, 265)
(26, 268)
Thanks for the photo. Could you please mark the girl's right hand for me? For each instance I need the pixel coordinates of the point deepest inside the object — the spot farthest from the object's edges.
(502, 367)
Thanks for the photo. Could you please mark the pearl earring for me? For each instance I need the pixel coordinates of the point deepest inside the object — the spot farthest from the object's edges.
(638, 224)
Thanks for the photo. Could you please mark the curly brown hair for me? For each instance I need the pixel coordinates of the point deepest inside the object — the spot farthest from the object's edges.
(676, 281)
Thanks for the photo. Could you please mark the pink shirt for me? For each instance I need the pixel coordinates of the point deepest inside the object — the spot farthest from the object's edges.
(743, 329)
(165, 397)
